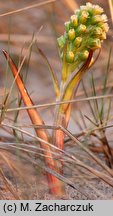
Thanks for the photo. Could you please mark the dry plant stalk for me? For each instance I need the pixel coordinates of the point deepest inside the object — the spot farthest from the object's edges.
(55, 184)
(84, 34)
(27, 8)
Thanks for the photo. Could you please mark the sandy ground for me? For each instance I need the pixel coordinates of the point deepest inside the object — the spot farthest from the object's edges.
(31, 182)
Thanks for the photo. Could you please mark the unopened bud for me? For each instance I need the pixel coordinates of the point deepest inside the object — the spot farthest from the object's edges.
(78, 41)
(89, 5)
(97, 10)
(67, 26)
(103, 36)
(74, 20)
(77, 12)
(94, 43)
(104, 26)
(71, 34)
(96, 31)
(61, 41)
(70, 57)
(83, 55)
(104, 18)
(99, 18)
(83, 7)
(81, 29)
(83, 17)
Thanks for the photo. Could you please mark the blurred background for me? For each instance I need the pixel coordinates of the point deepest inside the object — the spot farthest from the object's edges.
(47, 23)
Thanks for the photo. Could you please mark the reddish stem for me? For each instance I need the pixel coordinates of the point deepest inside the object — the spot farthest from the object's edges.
(55, 185)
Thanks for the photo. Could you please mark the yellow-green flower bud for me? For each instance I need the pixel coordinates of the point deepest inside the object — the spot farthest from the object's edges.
(96, 19)
(83, 55)
(96, 31)
(83, 7)
(61, 41)
(99, 18)
(83, 17)
(85, 30)
(77, 12)
(89, 5)
(104, 18)
(74, 20)
(78, 41)
(67, 26)
(81, 29)
(97, 10)
(104, 26)
(70, 57)
(103, 36)
(71, 34)
(94, 43)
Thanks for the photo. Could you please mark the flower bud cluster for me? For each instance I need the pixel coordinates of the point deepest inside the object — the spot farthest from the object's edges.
(85, 30)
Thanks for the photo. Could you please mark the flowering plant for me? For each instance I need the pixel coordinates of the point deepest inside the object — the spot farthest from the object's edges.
(85, 30)
(84, 33)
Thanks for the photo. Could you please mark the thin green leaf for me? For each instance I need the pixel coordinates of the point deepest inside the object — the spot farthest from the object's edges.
(108, 111)
(89, 102)
(96, 107)
(53, 75)
(105, 83)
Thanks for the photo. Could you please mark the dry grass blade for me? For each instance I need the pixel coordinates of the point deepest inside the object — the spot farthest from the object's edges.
(30, 135)
(13, 166)
(17, 74)
(28, 149)
(9, 186)
(27, 8)
(72, 159)
(90, 131)
(21, 38)
(68, 133)
(103, 139)
(100, 175)
(62, 178)
(60, 102)
(67, 181)
(86, 179)
(91, 120)
(98, 149)
(7, 161)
